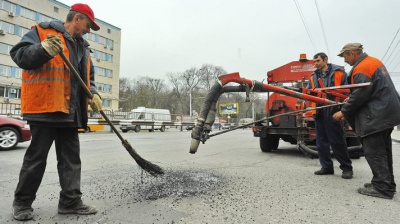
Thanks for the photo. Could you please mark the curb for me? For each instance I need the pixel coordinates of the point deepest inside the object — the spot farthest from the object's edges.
(395, 140)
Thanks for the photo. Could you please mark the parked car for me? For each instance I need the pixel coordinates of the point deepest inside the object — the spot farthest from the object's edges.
(226, 126)
(12, 132)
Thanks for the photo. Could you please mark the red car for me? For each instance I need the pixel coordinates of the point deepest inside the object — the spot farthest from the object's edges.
(13, 131)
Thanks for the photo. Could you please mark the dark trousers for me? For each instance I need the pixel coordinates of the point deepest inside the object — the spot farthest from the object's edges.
(378, 153)
(34, 164)
(330, 134)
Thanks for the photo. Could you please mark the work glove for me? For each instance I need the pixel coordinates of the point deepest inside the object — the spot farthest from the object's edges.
(95, 103)
(52, 45)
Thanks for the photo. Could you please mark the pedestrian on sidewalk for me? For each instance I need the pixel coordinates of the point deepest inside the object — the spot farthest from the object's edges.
(372, 112)
(55, 106)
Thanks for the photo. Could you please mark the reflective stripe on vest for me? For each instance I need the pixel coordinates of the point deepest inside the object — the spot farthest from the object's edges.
(46, 89)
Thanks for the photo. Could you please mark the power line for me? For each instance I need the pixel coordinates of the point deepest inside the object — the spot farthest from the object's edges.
(323, 30)
(390, 44)
(305, 24)
(393, 51)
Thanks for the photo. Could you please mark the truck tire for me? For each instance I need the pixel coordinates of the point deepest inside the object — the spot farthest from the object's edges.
(137, 128)
(269, 143)
(162, 129)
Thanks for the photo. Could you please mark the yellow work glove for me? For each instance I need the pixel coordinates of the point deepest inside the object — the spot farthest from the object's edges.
(96, 103)
(52, 45)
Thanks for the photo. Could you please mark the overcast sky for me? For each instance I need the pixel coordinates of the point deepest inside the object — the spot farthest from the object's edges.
(250, 37)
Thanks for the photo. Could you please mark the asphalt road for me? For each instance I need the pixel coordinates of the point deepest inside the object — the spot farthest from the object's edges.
(229, 180)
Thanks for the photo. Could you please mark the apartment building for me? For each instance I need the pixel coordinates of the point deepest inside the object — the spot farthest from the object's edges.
(16, 19)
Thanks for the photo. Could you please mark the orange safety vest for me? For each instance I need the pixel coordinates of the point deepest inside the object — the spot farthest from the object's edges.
(47, 89)
(337, 76)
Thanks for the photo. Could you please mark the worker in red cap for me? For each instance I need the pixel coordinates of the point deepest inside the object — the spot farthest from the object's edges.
(55, 106)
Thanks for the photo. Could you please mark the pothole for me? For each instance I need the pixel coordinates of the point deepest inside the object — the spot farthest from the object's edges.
(180, 184)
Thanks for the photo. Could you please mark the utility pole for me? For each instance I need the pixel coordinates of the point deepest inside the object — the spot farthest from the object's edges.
(190, 102)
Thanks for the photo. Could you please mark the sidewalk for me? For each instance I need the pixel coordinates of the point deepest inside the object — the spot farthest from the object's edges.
(396, 134)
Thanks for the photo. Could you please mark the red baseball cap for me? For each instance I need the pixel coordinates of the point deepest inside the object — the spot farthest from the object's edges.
(85, 9)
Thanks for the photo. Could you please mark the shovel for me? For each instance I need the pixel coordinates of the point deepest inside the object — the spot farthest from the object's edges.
(147, 166)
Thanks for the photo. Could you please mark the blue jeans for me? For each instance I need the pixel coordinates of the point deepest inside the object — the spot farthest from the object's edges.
(34, 164)
(330, 134)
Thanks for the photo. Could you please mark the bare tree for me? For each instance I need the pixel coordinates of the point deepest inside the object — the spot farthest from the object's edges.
(179, 90)
(192, 78)
(184, 92)
(209, 75)
(157, 91)
(125, 93)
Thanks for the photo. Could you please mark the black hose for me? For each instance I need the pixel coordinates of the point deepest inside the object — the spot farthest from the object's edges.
(208, 110)
(314, 152)
(197, 131)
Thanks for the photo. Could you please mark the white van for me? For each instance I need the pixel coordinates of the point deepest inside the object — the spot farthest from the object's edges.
(143, 118)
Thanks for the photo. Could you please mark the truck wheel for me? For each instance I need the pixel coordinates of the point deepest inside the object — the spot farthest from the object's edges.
(124, 131)
(137, 128)
(269, 143)
(162, 129)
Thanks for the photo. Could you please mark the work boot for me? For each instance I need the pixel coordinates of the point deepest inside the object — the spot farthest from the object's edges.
(324, 172)
(371, 191)
(22, 212)
(78, 208)
(367, 185)
(347, 174)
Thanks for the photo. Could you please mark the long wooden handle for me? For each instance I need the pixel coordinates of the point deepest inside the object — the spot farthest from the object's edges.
(90, 95)
(76, 74)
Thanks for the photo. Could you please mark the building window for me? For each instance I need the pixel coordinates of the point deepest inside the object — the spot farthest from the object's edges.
(107, 88)
(103, 87)
(27, 13)
(5, 48)
(108, 30)
(10, 92)
(10, 71)
(103, 72)
(99, 39)
(106, 103)
(7, 27)
(8, 6)
(22, 31)
(55, 9)
(44, 18)
(99, 86)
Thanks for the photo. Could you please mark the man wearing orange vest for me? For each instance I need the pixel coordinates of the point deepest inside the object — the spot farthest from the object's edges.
(330, 132)
(372, 112)
(55, 106)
